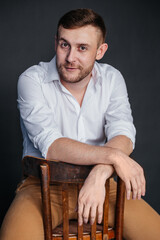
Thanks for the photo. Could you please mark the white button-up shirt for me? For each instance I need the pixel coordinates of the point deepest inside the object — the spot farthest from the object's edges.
(48, 111)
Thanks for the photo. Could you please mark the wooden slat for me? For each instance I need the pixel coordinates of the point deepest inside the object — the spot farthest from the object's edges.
(105, 212)
(93, 230)
(45, 177)
(65, 211)
(80, 228)
(120, 209)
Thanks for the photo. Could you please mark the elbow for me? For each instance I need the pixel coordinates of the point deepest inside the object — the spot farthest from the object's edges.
(50, 153)
(130, 147)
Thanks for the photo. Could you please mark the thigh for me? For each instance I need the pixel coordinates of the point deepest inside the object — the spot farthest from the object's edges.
(141, 221)
(24, 217)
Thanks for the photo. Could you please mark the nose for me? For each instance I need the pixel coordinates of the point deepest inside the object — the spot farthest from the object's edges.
(71, 56)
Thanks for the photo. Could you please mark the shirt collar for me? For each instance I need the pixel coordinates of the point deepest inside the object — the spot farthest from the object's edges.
(96, 74)
(52, 73)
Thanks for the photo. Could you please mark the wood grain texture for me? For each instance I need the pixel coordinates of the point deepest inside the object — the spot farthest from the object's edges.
(80, 228)
(119, 209)
(46, 205)
(65, 211)
(53, 171)
(60, 171)
(93, 230)
(105, 210)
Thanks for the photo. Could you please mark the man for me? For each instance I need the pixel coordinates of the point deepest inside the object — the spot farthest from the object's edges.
(76, 110)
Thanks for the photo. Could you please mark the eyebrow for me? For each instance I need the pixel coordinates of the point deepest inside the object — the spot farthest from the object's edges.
(78, 44)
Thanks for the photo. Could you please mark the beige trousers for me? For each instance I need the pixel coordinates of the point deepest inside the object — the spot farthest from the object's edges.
(23, 220)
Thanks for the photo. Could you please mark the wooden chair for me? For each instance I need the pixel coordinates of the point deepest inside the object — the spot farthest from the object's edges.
(64, 173)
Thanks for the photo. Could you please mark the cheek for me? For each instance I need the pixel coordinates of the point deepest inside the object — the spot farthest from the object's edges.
(88, 60)
(60, 55)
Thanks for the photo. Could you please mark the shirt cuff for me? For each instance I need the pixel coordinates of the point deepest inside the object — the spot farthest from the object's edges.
(44, 146)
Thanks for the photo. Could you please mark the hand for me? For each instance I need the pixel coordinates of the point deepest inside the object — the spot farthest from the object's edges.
(132, 174)
(92, 194)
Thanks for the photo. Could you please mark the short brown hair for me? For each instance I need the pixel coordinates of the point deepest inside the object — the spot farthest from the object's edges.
(80, 18)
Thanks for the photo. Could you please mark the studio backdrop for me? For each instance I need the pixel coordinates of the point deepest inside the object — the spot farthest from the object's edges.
(27, 35)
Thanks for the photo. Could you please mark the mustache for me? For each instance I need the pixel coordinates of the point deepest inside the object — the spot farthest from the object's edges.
(71, 65)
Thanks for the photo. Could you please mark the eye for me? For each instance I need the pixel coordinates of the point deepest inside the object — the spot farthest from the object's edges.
(82, 48)
(64, 45)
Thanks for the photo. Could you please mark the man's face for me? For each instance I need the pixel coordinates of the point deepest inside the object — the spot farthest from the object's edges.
(76, 51)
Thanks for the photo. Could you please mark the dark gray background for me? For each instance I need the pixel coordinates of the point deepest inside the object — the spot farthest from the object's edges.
(27, 37)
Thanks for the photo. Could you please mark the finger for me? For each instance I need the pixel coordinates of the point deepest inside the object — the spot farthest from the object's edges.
(143, 183)
(139, 190)
(134, 188)
(128, 189)
(80, 211)
(85, 214)
(100, 213)
(93, 214)
(144, 187)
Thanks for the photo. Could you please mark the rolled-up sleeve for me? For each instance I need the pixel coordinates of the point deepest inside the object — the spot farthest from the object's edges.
(36, 115)
(118, 116)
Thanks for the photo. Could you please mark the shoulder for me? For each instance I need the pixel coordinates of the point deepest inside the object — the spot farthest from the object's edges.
(31, 80)
(37, 73)
(109, 75)
(106, 70)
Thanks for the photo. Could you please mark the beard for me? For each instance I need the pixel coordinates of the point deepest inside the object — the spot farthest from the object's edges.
(73, 77)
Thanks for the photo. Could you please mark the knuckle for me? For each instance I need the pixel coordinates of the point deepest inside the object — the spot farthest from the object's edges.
(80, 218)
(80, 200)
(128, 189)
(85, 215)
(87, 203)
(79, 212)
(100, 214)
(125, 179)
(141, 171)
(134, 189)
(139, 189)
(92, 216)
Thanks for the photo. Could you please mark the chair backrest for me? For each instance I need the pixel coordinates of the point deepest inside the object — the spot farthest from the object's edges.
(54, 171)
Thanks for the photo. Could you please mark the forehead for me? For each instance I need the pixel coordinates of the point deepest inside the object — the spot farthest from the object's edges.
(87, 34)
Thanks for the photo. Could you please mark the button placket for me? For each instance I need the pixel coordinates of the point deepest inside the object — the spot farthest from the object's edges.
(81, 129)
(70, 97)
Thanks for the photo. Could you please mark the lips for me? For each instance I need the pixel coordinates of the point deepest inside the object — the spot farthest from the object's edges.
(71, 69)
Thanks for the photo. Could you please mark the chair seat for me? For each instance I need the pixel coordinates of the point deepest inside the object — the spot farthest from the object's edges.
(58, 231)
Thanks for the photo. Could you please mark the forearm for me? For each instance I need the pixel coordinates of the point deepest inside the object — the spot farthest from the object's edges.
(71, 151)
(101, 172)
(121, 143)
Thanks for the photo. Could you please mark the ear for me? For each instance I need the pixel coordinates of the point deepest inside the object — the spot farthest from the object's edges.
(101, 51)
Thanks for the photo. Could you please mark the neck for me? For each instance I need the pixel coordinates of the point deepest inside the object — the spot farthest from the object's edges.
(77, 89)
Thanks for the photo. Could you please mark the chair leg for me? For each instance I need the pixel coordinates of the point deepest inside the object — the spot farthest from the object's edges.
(105, 212)
(47, 220)
(120, 209)
(80, 228)
(65, 211)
